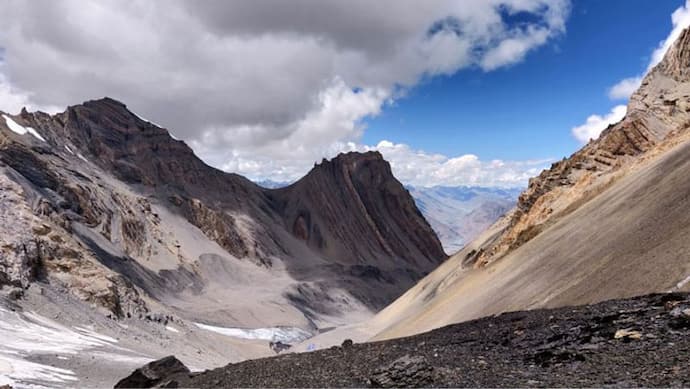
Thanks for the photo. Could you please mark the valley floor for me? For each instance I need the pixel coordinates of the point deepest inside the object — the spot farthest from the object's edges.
(636, 342)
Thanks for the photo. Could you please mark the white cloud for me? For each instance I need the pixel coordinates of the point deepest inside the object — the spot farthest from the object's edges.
(419, 168)
(624, 88)
(410, 166)
(13, 100)
(680, 20)
(247, 82)
(595, 124)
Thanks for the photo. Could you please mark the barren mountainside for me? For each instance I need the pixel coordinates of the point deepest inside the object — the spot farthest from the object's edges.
(103, 209)
(658, 113)
(611, 221)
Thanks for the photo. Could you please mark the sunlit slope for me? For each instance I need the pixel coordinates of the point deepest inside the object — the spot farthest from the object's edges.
(633, 238)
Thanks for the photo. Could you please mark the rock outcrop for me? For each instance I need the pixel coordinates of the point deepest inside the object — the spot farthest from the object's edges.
(404, 372)
(658, 116)
(158, 374)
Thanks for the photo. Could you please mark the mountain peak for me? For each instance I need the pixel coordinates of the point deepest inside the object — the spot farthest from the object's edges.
(364, 194)
(352, 158)
(106, 100)
(676, 62)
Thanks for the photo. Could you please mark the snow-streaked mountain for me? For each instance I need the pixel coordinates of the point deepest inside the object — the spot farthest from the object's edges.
(459, 214)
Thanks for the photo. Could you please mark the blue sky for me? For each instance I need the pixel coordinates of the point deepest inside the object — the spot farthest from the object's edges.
(526, 110)
(494, 90)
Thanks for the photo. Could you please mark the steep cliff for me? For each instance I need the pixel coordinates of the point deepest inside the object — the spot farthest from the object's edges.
(658, 116)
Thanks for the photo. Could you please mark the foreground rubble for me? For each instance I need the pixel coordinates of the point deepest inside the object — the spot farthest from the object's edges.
(635, 342)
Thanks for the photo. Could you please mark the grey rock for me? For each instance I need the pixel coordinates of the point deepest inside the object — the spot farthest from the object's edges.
(403, 372)
(155, 373)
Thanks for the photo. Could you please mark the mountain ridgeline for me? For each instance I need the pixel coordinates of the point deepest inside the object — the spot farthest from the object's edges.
(114, 187)
(610, 221)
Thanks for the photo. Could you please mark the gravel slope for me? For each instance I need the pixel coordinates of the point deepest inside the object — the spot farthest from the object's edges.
(641, 341)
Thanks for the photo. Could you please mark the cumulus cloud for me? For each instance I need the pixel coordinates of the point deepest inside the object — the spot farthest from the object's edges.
(13, 100)
(246, 82)
(595, 124)
(419, 168)
(411, 166)
(624, 88)
(680, 19)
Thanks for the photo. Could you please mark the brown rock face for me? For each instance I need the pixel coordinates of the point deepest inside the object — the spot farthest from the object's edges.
(365, 213)
(658, 116)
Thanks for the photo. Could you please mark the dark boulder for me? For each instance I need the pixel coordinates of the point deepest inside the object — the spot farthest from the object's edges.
(406, 371)
(156, 373)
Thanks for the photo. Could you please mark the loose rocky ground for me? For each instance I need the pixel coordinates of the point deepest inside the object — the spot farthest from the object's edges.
(642, 341)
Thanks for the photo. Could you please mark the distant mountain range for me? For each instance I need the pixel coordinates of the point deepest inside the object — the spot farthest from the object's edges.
(270, 184)
(459, 214)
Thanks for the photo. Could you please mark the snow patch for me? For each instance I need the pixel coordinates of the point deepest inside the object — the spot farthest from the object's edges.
(273, 334)
(172, 329)
(26, 334)
(15, 370)
(69, 150)
(21, 130)
(82, 158)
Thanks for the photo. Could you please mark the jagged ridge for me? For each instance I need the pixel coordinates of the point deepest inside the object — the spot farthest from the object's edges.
(362, 231)
(658, 113)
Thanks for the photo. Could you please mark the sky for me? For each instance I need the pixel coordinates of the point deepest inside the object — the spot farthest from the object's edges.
(451, 92)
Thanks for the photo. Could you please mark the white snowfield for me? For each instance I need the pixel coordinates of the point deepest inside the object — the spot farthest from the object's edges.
(28, 334)
(273, 334)
(21, 130)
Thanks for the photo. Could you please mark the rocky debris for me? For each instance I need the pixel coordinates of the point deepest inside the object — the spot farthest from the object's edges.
(627, 334)
(160, 318)
(407, 372)
(159, 373)
(279, 346)
(571, 346)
